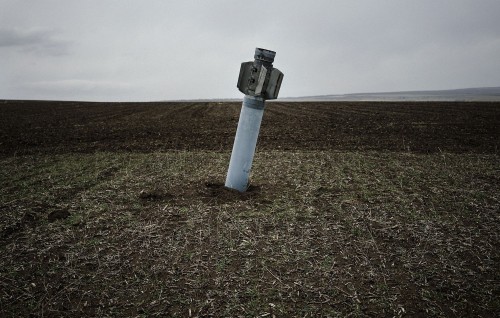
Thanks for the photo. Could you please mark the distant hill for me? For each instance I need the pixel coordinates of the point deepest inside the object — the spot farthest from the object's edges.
(464, 94)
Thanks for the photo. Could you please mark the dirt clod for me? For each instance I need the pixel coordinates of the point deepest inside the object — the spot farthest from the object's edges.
(58, 215)
(221, 193)
(154, 195)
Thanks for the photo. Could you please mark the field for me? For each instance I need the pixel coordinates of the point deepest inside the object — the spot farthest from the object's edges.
(355, 209)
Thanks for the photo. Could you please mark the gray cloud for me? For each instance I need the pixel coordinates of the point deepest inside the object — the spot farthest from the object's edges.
(193, 49)
(39, 40)
(79, 85)
(74, 89)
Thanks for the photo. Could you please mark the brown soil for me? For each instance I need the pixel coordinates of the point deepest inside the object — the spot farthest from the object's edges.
(426, 127)
(376, 227)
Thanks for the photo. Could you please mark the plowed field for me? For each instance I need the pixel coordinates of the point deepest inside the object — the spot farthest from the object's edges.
(144, 127)
(354, 209)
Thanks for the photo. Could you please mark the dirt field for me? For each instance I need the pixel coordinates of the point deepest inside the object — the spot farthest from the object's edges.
(61, 127)
(355, 209)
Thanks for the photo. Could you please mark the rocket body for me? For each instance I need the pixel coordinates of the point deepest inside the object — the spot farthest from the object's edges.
(245, 143)
(259, 81)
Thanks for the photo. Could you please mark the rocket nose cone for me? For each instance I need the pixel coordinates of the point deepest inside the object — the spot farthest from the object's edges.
(266, 56)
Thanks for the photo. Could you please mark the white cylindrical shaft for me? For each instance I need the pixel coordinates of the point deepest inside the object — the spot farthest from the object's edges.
(244, 143)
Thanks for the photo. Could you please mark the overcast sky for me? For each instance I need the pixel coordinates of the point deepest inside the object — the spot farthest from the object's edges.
(119, 50)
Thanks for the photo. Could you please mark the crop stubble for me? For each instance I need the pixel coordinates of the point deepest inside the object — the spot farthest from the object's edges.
(363, 209)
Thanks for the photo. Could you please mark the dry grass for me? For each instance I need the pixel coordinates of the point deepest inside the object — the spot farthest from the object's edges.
(321, 233)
